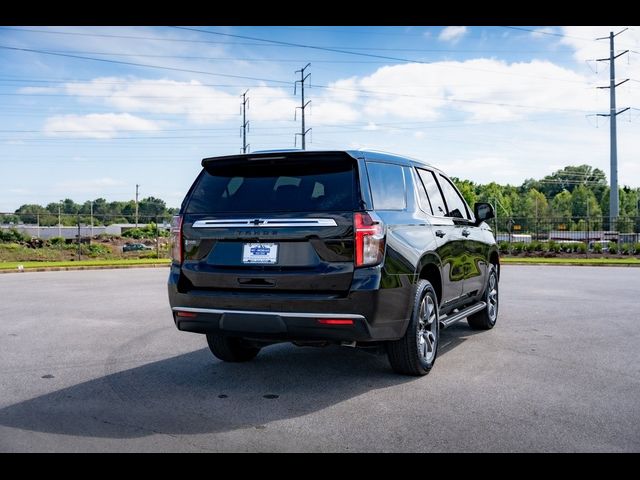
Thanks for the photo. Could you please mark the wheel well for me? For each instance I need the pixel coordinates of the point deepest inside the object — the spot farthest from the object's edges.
(494, 259)
(431, 273)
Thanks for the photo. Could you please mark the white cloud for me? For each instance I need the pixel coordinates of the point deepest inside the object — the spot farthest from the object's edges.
(452, 34)
(96, 125)
(200, 104)
(484, 89)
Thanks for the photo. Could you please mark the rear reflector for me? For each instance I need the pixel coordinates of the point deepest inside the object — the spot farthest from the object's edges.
(335, 321)
(186, 314)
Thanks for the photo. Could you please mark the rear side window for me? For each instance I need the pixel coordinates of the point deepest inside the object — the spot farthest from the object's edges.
(264, 186)
(387, 186)
(433, 192)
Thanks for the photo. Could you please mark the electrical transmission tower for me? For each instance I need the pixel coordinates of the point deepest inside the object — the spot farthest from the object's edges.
(245, 123)
(303, 132)
(613, 113)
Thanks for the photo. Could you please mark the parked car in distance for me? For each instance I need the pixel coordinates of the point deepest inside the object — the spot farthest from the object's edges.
(132, 247)
(356, 248)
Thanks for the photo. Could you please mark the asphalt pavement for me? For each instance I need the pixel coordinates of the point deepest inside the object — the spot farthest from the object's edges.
(91, 361)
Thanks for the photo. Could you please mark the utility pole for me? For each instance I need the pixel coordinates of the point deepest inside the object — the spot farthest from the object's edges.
(60, 219)
(137, 186)
(245, 123)
(91, 218)
(303, 132)
(79, 251)
(613, 113)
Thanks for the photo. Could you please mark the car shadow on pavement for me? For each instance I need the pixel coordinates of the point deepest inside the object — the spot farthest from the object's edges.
(194, 393)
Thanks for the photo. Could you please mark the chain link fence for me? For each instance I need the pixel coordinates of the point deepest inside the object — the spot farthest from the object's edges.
(574, 229)
(47, 236)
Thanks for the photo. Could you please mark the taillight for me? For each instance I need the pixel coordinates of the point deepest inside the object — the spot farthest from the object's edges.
(176, 238)
(369, 233)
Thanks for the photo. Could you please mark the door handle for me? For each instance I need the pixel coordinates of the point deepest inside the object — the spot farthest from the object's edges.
(440, 233)
(466, 232)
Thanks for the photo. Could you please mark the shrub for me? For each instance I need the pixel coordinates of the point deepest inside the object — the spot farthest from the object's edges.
(503, 246)
(136, 233)
(95, 250)
(13, 235)
(538, 246)
(581, 248)
(613, 248)
(597, 248)
(625, 249)
(148, 254)
(150, 231)
(57, 241)
(636, 248)
(532, 247)
(517, 248)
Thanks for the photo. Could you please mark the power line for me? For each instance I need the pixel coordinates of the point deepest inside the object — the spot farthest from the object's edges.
(350, 52)
(543, 32)
(116, 95)
(164, 39)
(285, 82)
(134, 64)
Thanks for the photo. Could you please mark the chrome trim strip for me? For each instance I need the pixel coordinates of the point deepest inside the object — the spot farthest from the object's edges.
(280, 314)
(266, 222)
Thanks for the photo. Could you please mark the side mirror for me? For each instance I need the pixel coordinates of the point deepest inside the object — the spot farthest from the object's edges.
(483, 212)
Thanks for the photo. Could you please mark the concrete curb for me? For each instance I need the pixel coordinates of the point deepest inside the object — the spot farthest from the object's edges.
(85, 267)
(632, 265)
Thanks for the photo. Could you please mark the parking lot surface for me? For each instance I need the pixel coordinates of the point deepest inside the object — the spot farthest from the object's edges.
(91, 361)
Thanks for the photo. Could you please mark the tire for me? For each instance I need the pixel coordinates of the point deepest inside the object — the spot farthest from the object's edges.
(231, 349)
(486, 318)
(416, 352)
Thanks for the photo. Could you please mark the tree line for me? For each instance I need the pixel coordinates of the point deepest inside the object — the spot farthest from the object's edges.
(104, 212)
(570, 194)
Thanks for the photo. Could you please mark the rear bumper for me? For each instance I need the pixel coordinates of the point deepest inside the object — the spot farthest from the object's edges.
(273, 325)
(378, 314)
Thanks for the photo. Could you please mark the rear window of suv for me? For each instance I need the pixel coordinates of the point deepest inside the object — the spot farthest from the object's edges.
(299, 185)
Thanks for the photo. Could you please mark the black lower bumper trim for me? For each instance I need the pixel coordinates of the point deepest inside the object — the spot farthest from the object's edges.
(271, 325)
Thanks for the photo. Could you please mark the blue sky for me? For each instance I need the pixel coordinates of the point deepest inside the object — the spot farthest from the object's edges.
(482, 103)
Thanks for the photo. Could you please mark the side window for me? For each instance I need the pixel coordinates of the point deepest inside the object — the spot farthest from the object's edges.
(433, 193)
(457, 207)
(423, 200)
(387, 186)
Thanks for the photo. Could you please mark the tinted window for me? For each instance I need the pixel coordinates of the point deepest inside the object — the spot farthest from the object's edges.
(433, 192)
(455, 202)
(423, 200)
(387, 186)
(285, 186)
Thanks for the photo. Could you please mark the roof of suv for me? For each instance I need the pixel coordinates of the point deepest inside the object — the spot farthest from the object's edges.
(367, 154)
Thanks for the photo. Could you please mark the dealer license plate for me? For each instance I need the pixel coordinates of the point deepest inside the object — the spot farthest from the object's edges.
(260, 253)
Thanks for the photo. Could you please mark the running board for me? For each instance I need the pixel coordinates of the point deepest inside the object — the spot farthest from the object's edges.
(451, 319)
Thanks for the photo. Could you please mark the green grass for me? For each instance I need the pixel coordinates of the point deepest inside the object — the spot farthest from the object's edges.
(84, 263)
(572, 261)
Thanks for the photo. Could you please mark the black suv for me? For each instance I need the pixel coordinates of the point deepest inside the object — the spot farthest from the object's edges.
(356, 248)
